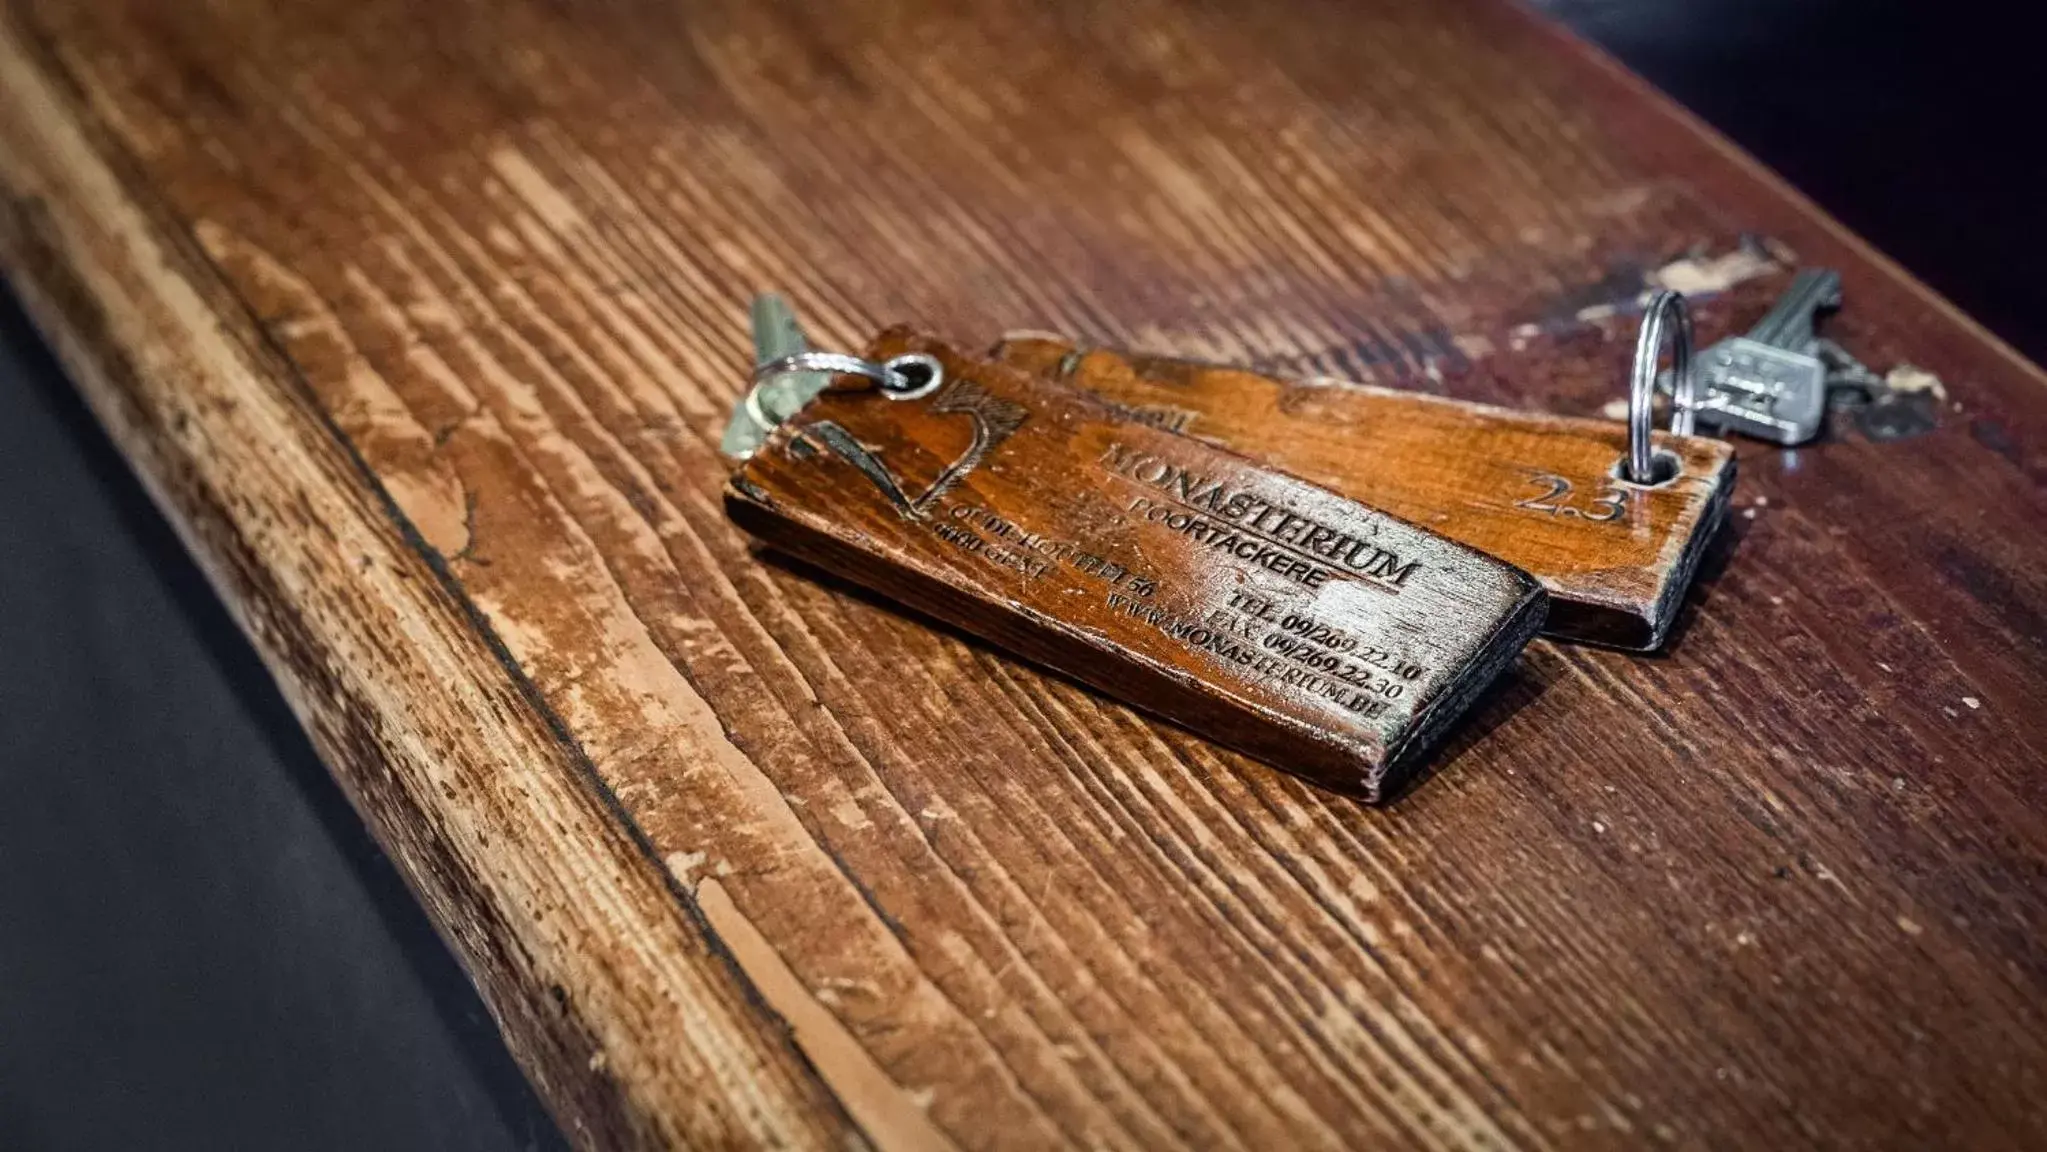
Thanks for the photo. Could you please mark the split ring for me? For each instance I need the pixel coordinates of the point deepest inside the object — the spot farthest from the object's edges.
(1668, 316)
(903, 377)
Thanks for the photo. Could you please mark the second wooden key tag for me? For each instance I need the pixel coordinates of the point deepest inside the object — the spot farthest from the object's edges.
(1323, 636)
(1545, 493)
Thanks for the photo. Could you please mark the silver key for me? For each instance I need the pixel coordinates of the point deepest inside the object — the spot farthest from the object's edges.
(776, 334)
(1772, 383)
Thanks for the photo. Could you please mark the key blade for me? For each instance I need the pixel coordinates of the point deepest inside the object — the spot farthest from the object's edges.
(776, 334)
(775, 331)
(1790, 323)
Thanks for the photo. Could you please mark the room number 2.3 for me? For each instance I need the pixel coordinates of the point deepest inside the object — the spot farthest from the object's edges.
(1555, 499)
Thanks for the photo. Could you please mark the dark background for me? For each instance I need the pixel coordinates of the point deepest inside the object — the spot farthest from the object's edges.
(1922, 126)
(200, 946)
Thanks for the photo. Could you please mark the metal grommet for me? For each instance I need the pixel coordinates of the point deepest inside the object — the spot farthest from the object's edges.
(904, 377)
(917, 374)
(1666, 311)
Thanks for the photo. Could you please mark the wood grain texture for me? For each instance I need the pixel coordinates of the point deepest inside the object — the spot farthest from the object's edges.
(422, 321)
(1541, 492)
(1328, 639)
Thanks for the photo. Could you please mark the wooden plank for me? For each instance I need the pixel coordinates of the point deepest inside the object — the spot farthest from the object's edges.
(467, 776)
(1327, 638)
(1542, 492)
(421, 320)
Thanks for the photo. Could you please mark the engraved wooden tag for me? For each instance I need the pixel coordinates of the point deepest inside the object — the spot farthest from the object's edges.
(1325, 637)
(1538, 491)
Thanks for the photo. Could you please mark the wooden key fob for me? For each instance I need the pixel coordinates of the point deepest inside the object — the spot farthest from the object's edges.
(1327, 638)
(1541, 492)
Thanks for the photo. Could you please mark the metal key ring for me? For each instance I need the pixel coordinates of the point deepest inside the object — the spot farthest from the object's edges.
(904, 377)
(1666, 309)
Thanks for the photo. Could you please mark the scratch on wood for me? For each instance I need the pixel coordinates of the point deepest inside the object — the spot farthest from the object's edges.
(892, 1117)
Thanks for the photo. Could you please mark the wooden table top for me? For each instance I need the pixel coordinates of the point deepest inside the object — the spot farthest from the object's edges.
(422, 321)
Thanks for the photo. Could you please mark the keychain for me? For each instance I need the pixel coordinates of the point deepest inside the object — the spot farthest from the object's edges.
(1299, 626)
(1611, 520)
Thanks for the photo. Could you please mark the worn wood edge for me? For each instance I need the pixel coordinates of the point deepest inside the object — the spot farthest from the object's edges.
(662, 1042)
(1610, 69)
(1432, 729)
(1660, 622)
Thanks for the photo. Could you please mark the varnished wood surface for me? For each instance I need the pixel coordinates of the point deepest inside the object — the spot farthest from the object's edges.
(1327, 638)
(1539, 491)
(421, 320)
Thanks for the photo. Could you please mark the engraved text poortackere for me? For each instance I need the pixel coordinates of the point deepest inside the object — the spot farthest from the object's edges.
(1325, 637)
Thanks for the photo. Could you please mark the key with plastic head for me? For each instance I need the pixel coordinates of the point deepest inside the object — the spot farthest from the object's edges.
(776, 335)
(1772, 382)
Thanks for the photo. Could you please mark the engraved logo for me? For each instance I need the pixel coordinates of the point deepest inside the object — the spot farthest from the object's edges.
(994, 420)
